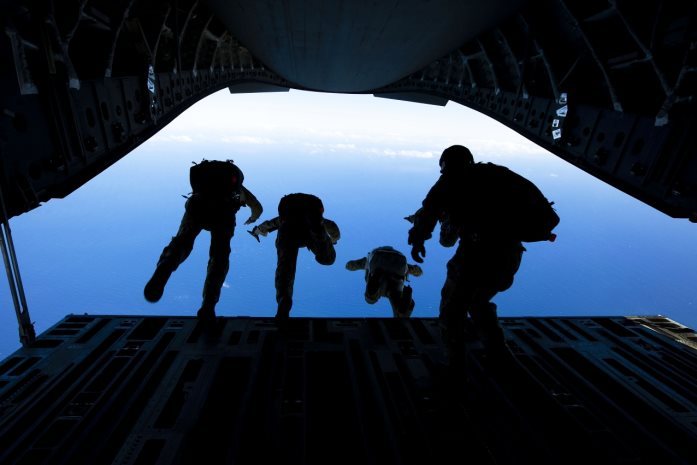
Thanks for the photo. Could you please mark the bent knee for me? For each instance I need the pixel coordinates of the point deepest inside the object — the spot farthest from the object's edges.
(326, 258)
(326, 261)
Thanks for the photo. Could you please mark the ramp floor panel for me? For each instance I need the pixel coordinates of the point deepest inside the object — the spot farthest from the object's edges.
(167, 390)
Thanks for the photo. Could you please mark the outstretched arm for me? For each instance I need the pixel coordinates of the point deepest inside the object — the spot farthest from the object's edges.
(354, 265)
(266, 227)
(254, 205)
(425, 220)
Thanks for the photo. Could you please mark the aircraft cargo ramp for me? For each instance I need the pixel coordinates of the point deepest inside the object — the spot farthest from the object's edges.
(160, 390)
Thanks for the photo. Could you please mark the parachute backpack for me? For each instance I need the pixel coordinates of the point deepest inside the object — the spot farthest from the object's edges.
(516, 205)
(536, 218)
(216, 178)
(295, 205)
(388, 259)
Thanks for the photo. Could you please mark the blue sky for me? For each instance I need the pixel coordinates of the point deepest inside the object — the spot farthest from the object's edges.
(372, 161)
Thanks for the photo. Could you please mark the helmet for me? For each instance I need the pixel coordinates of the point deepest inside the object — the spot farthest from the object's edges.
(455, 157)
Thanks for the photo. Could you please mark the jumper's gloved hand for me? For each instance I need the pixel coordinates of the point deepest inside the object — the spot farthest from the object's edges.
(254, 235)
(256, 232)
(417, 251)
(251, 219)
(416, 241)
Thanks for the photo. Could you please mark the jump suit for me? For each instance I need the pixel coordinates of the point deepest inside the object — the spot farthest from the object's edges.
(386, 269)
(217, 215)
(484, 263)
(293, 234)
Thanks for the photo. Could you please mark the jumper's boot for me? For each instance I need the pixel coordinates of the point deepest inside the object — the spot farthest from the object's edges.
(207, 312)
(283, 311)
(491, 334)
(453, 335)
(156, 286)
(406, 303)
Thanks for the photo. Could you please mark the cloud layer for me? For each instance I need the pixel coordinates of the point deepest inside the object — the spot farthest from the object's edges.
(334, 123)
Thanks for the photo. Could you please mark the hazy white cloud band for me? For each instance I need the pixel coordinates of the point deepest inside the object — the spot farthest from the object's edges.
(321, 123)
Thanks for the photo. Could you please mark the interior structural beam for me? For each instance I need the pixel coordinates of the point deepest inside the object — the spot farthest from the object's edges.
(84, 87)
(608, 86)
(95, 126)
(655, 164)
